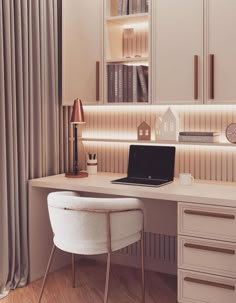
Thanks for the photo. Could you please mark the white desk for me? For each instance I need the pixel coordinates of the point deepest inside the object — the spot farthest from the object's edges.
(210, 192)
(206, 228)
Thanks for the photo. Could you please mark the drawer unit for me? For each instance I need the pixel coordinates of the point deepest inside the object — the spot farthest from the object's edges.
(212, 222)
(209, 256)
(198, 288)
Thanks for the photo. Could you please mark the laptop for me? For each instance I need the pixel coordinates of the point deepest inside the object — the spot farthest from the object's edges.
(149, 165)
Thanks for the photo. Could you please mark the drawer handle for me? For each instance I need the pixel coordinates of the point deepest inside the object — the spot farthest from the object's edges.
(209, 214)
(209, 283)
(210, 248)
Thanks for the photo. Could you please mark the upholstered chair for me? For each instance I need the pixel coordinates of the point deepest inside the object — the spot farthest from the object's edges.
(90, 226)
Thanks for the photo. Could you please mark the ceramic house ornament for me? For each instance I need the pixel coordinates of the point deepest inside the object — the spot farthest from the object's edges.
(167, 126)
(144, 131)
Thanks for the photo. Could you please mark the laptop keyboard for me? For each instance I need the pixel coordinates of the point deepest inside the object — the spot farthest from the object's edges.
(139, 181)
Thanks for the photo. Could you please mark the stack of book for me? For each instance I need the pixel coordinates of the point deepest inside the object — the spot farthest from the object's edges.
(128, 7)
(202, 137)
(127, 83)
(135, 42)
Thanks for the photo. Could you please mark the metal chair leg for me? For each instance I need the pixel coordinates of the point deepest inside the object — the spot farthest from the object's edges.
(107, 277)
(73, 270)
(143, 270)
(46, 273)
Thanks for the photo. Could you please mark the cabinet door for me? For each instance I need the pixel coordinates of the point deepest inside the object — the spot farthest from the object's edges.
(177, 51)
(81, 49)
(221, 51)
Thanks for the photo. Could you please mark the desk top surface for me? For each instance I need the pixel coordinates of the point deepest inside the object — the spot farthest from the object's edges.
(202, 192)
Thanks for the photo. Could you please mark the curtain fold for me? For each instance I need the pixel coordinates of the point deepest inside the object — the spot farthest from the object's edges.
(33, 139)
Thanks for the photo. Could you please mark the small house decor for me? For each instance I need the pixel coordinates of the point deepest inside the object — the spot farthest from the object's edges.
(167, 126)
(144, 131)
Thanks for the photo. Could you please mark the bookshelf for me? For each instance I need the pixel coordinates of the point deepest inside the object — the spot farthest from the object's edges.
(126, 51)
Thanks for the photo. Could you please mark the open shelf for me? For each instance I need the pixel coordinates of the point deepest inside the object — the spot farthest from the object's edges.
(127, 60)
(129, 19)
(163, 142)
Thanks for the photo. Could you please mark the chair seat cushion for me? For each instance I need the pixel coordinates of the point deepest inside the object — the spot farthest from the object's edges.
(93, 247)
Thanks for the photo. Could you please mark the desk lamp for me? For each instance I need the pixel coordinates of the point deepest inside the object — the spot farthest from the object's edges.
(77, 118)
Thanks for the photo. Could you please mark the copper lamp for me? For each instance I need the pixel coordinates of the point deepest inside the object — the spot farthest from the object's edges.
(77, 118)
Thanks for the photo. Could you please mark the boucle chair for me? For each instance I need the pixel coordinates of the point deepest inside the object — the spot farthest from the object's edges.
(91, 226)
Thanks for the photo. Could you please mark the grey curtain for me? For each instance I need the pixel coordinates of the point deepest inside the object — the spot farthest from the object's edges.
(33, 140)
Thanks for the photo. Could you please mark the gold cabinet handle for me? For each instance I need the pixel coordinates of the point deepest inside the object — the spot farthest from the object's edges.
(195, 77)
(210, 283)
(209, 214)
(97, 80)
(210, 248)
(212, 76)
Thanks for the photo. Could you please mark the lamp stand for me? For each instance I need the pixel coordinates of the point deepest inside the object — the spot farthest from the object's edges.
(76, 173)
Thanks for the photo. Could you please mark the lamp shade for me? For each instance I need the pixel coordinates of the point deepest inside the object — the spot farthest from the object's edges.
(77, 116)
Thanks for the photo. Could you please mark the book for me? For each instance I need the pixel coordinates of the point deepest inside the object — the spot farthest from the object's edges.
(143, 6)
(130, 7)
(135, 84)
(130, 83)
(125, 83)
(146, 6)
(134, 6)
(143, 83)
(200, 139)
(116, 83)
(110, 82)
(143, 42)
(198, 133)
(138, 44)
(125, 36)
(127, 42)
(120, 7)
(124, 7)
(138, 6)
(120, 82)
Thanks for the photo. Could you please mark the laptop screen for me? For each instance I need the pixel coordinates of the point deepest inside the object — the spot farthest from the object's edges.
(152, 162)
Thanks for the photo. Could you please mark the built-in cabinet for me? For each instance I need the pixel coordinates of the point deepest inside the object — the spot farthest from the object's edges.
(82, 51)
(177, 51)
(126, 51)
(220, 50)
(206, 253)
(185, 50)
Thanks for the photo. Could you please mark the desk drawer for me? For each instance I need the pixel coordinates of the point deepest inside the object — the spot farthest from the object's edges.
(212, 222)
(208, 256)
(198, 288)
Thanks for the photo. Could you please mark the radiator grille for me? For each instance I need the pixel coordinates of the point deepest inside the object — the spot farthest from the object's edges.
(156, 246)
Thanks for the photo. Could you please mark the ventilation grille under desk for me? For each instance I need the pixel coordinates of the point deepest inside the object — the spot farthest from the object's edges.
(156, 246)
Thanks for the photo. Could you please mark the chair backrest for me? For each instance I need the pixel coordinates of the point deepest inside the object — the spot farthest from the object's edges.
(81, 224)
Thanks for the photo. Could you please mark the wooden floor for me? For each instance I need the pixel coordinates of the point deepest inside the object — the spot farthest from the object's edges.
(125, 286)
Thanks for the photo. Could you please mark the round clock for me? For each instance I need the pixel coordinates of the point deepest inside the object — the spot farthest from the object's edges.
(230, 133)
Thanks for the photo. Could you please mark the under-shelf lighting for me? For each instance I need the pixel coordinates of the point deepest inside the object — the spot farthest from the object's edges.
(181, 146)
(160, 107)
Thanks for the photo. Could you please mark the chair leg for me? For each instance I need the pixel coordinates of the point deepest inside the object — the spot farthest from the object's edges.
(107, 277)
(73, 270)
(46, 273)
(143, 270)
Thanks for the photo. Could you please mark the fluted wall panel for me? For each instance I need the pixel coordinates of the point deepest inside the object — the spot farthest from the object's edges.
(116, 123)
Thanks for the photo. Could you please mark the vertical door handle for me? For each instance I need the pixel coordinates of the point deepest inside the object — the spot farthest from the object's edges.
(195, 77)
(97, 80)
(212, 76)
